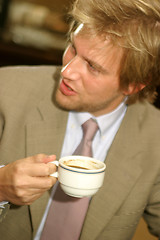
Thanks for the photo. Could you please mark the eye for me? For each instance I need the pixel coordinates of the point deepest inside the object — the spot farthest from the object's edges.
(91, 67)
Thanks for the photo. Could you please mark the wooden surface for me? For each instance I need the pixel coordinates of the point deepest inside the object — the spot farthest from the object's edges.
(142, 232)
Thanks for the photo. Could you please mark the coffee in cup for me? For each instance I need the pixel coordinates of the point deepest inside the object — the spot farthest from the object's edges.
(80, 176)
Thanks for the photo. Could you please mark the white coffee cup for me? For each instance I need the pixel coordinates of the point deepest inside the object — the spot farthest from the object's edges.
(80, 176)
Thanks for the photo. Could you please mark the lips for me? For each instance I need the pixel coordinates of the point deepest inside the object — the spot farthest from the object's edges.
(66, 89)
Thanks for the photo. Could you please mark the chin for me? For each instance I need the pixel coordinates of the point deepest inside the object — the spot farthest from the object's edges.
(63, 105)
(68, 107)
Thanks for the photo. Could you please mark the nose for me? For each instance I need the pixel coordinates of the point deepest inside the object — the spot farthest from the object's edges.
(72, 69)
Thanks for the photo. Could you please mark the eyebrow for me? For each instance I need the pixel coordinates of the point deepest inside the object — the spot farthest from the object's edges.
(91, 62)
(96, 65)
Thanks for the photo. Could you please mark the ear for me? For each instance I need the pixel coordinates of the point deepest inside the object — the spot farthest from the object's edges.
(132, 89)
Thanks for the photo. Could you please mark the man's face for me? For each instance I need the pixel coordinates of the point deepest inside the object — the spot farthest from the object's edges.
(89, 77)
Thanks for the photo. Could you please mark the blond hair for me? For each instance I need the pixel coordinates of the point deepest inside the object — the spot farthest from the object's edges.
(135, 26)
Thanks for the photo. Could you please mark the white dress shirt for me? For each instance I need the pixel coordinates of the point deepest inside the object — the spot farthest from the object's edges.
(108, 127)
(2, 204)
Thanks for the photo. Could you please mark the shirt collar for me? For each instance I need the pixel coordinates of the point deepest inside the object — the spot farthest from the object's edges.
(105, 121)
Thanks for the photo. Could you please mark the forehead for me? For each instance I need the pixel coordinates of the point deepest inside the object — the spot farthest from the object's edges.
(98, 48)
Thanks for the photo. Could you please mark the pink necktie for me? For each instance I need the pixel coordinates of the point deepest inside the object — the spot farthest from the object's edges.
(66, 214)
(90, 128)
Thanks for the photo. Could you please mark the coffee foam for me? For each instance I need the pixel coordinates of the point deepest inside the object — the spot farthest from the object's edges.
(84, 164)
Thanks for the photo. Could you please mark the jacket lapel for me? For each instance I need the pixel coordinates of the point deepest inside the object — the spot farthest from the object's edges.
(45, 136)
(47, 133)
(122, 171)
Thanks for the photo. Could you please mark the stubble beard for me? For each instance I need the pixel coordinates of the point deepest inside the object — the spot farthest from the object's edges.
(68, 104)
(79, 106)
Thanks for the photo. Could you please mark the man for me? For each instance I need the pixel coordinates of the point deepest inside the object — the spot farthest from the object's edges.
(110, 69)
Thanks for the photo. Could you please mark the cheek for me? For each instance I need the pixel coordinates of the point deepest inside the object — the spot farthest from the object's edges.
(91, 86)
(101, 87)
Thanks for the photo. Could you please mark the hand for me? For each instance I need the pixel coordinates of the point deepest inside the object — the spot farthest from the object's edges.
(25, 180)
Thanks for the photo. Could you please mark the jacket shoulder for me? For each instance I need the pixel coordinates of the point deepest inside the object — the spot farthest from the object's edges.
(28, 82)
(17, 77)
(143, 119)
(145, 112)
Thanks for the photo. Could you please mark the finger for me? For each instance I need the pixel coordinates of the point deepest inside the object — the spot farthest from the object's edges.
(42, 158)
(41, 169)
(38, 183)
(45, 182)
(35, 165)
(39, 158)
(49, 158)
(26, 198)
(27, 191)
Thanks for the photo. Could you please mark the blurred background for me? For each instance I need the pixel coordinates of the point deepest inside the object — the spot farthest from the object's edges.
(34, 32)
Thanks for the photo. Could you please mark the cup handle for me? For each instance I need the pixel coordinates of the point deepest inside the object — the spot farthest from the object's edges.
(55, 174)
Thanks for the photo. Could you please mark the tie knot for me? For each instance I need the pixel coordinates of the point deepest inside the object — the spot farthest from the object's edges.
(90, 128)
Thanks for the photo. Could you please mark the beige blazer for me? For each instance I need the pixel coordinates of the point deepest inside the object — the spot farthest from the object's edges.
(30, 124)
